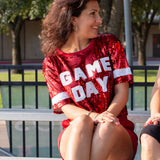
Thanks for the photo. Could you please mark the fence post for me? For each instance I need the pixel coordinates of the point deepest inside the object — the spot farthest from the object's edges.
(128, 30)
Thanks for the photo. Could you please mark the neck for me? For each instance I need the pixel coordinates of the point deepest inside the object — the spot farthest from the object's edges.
(74, 44)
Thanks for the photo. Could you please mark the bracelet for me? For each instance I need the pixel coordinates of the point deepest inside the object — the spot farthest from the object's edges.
(89, 113)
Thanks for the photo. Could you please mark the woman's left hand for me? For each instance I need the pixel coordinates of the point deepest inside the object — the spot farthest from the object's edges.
(107, 116)
(155, 119)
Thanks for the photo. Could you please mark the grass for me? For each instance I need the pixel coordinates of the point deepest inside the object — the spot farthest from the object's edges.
(139, 75)
(28, 76)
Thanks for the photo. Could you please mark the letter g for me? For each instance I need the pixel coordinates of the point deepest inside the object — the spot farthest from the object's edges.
(66, 78)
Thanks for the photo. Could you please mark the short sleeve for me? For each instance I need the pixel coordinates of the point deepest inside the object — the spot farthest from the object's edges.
(58, 95)
(121, 69)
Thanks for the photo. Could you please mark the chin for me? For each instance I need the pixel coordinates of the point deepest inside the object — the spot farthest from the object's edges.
(94, 36)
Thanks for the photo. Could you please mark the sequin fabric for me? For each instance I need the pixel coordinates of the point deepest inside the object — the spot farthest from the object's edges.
(87, 78)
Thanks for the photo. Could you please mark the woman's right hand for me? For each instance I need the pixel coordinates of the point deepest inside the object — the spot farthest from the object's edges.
(106, 116)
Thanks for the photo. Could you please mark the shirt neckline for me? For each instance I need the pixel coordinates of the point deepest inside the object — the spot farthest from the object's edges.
(60, 52)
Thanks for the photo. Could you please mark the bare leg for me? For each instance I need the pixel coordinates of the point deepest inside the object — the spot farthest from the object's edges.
(111, 142)
(150, 148)
(76, 140)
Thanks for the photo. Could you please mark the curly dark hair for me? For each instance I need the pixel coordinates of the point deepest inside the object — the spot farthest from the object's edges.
(57, 26)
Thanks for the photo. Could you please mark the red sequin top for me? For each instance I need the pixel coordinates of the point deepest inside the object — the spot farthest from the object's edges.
(87, 77)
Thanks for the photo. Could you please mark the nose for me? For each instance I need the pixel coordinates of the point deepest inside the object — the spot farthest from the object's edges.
(99, 19)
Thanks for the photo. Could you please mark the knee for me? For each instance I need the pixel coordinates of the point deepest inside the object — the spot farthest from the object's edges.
(83, 122)
(146, 141)
(107, 128)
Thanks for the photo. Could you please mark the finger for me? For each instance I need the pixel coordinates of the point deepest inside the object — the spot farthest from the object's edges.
(110, 115)
(107, 116)
(112, 120)
(155, 122)
(148, 123)
(149, 120)
(98, 119)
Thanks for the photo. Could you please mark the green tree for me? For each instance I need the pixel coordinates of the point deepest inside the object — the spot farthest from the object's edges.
(143, 14)
(13, 14)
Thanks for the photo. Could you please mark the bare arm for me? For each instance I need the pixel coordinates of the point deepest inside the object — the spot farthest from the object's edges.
(72, 111)
(155, 103)
(155, 97)
(119, 101)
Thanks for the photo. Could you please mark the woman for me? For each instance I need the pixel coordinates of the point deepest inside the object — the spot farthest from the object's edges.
(88, 79)
(150, 135)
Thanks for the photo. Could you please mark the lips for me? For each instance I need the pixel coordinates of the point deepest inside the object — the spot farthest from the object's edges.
(95, 27)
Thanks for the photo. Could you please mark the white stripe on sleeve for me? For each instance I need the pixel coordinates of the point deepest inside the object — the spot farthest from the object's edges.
(122, 72)
(59, 97)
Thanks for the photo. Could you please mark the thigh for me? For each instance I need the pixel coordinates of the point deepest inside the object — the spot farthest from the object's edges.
(123, 147)
(76, 136)
(150, 147)
(63, 140)
(111, 142)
